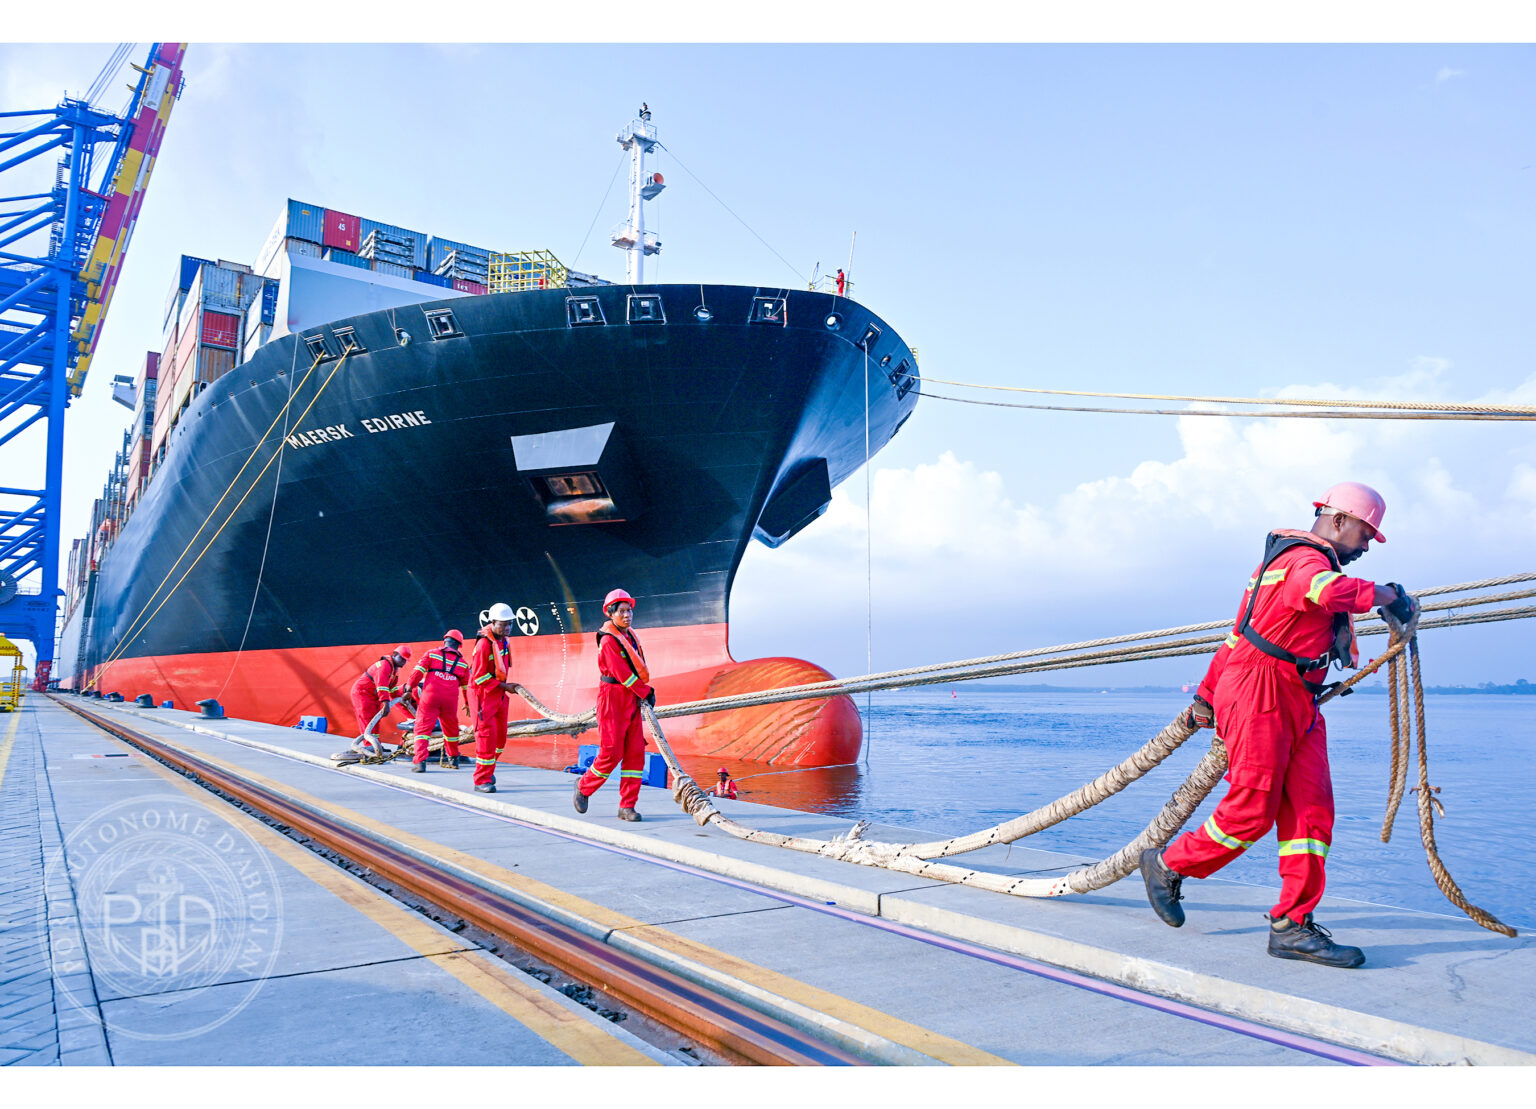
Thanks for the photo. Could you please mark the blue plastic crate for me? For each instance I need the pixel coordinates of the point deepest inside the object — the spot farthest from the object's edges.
(655, 772)
(312, 724)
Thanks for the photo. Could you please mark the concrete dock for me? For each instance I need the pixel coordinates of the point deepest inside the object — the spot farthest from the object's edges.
(144, 920)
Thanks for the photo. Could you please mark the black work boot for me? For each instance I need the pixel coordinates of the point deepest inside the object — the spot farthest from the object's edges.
(1310, 943)
(629, 814)
(578, 798)
(1162, 887)
(419, 767)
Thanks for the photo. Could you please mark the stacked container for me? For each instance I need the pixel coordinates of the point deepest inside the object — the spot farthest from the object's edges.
(204, 339)
(459, 261)
(398, 246)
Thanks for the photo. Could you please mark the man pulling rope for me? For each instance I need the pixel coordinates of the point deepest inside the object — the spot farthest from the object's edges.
(1261, 691)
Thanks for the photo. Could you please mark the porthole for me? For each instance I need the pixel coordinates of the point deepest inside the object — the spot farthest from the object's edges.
(833, 321)
(703, 314)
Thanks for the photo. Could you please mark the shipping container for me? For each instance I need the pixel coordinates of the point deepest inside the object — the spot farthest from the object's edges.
(434, 279)
(221, 286)
(346, 258)
(393, 269)
(238, 266)
(269, 302)
(399, 244)
(173, 308)
(305, 221)
(474, 287)
(188, 270)
(301, 247)
(437, 251)
(221, 329)
(341, 231)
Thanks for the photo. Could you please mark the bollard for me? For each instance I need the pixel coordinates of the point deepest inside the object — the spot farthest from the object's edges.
(212, 710)
(115, 697)
(144, 700)
(167, 704)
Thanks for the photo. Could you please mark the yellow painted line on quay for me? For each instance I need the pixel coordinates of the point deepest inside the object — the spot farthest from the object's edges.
(943, 1049)
(577, 1036)
(5, 746)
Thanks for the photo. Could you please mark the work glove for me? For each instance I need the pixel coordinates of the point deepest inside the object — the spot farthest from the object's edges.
(1402, 615)
(650, 698)
(1200, 714)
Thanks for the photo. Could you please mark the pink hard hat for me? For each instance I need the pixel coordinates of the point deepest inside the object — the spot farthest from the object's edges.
(403, 651)
(615, 597)
(1359, 501)
(724, 772)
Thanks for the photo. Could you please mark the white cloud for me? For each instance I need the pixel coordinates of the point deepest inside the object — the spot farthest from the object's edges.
(981, 560)
(1446, 73)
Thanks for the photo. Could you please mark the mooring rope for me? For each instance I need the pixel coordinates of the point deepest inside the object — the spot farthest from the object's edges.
(1300, 402)
(1132, 648)
(917, 858)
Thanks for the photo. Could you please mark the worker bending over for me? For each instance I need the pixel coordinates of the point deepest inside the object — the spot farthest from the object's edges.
(489, 684)
(623, 682)
(440, 676)
(377, 687)
(1261, 692)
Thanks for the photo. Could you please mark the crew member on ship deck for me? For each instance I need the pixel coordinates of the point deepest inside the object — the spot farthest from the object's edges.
(623, 682)
(440, 675)
(489, 684)
(377, 687)
(1261, 693)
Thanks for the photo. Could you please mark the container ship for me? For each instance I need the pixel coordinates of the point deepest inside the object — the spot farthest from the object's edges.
(371, 434)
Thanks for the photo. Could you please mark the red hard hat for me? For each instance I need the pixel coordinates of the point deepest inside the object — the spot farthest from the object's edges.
(403, 651)
(1359, 501)
(454, 633)
(724, 771)
(615, 597)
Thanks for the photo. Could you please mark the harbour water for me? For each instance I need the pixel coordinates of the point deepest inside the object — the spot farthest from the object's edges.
(953, 761)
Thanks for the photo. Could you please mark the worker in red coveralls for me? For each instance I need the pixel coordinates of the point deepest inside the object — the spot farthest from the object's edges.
(440, 676)
(377, 687)
(489, 683)
(842, 282)
(1261, 692)
(623, 682)
(724, 787)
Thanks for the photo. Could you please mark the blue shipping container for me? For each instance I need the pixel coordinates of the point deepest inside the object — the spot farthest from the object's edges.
(433, 279)
(189, 268)
(345, 258)
(418, 239)
(438, 249)
(269, 302)
(306, 221)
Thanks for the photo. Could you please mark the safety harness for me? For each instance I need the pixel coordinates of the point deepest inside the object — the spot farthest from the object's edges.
(1340, 650)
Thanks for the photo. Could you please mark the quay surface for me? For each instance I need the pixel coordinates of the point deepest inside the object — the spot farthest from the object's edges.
(145, 920)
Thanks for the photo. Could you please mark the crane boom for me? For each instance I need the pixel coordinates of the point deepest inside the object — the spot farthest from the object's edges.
(158, 87)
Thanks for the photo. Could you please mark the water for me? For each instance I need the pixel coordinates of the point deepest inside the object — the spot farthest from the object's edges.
(953, 764)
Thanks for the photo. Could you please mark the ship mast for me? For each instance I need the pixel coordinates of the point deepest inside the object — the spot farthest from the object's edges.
(639, 138)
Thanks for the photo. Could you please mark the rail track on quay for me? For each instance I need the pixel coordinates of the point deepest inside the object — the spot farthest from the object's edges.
(719, 1021)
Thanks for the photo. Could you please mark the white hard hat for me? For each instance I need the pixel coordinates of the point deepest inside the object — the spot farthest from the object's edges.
(498, 611)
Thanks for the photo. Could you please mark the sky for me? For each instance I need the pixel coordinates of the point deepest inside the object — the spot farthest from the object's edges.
(1304, 220)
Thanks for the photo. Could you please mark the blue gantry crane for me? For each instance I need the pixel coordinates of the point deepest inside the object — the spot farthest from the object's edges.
(62, 245)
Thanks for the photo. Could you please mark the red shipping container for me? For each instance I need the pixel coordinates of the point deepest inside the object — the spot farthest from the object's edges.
(221, 329)
(340, 231)
(468, 286)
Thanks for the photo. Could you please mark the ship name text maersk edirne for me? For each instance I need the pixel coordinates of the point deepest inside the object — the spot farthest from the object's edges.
(372, 434)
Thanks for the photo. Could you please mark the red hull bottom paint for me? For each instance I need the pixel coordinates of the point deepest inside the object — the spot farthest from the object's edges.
(689, 664)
